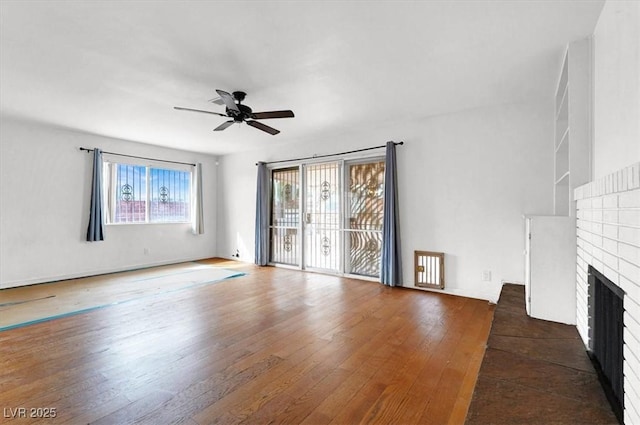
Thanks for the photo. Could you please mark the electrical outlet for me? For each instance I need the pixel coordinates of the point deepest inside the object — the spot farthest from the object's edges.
(486, 276)
(146, 251)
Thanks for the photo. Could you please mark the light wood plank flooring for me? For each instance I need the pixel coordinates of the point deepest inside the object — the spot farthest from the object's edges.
(274, 346)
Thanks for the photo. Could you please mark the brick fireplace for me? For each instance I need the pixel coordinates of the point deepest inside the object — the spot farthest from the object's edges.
(608, 240)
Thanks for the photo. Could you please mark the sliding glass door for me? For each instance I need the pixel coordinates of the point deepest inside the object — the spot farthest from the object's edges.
(323, 215)
(285, 216)
(363, 219)
(328, 216)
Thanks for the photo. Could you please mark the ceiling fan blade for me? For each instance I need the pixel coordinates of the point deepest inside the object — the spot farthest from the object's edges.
(217, 101)
(272, 114)
(179, 108)
(228, 100)
(263, 127)
(223, 125)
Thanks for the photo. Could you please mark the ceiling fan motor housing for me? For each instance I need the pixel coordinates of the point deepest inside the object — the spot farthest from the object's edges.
(244, 113)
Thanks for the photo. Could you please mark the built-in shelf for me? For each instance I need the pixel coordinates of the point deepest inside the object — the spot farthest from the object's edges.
(563, 83)
(563, 140)
(572, 129)
(562, 158)
(564, 179)
(563, 106)
(561, 176)
(550, 241)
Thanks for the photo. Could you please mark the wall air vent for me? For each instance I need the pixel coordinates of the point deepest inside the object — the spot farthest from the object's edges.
(429, 269)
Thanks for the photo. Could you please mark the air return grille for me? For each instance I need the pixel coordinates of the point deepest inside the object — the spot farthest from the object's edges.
(429, 267)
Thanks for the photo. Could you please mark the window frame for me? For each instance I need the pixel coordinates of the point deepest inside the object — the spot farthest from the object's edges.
(110, 190)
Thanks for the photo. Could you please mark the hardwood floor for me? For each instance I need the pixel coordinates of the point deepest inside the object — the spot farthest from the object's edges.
(274, 346)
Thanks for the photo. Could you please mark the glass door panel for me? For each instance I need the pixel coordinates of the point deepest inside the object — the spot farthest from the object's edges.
(322, 221)
(285, 216)
(365, 212)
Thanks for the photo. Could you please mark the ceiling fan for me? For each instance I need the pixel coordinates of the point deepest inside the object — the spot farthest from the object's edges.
(240, 113)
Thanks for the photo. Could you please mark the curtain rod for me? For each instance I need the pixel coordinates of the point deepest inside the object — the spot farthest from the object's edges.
(139, 157)
(330, 154)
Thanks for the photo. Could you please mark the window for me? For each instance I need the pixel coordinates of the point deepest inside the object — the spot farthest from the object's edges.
(146, 194)
(131, 196)
(169, 195)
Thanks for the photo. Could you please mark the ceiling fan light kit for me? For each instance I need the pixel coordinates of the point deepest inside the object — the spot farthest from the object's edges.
(240, 113)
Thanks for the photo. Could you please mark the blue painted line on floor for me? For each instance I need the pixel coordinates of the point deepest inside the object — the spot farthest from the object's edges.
(203, 267)
(86, 310)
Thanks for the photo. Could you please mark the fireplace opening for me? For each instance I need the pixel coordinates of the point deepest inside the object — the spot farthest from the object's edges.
(606, 310)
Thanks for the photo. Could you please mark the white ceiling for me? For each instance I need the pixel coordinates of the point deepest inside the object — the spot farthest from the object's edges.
(117, 68)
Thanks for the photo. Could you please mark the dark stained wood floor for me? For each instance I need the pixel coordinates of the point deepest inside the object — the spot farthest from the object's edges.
(274, 346)
(535, 372)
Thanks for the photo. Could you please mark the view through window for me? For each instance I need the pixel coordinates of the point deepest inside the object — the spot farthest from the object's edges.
(144, 194)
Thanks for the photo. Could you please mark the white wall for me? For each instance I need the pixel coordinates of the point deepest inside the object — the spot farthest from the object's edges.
(465, 181)
(617, 87)
(44, 198)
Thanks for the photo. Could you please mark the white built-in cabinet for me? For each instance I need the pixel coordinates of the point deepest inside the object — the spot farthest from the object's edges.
(550, 268)
(550, 241)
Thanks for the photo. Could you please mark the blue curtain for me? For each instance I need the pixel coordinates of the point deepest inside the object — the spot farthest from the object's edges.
(262, 216)
(95, 232)
(391, 257)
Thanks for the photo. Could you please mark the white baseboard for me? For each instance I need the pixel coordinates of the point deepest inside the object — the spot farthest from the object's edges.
(128, 268)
